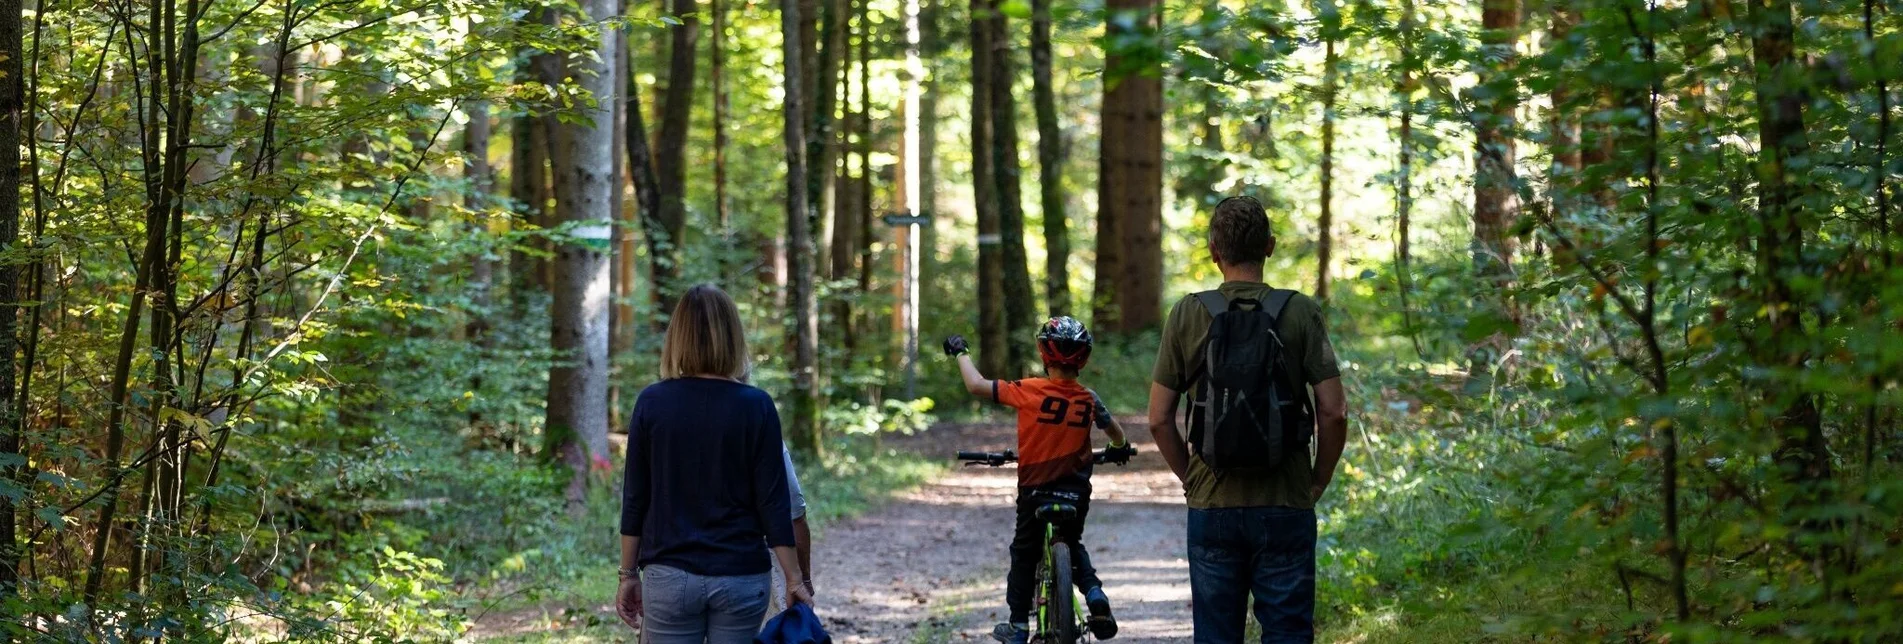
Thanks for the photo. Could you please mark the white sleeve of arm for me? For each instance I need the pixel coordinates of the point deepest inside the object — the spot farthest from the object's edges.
(793, 485)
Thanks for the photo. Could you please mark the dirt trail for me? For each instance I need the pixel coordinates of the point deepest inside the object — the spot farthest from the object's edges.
(929, 566)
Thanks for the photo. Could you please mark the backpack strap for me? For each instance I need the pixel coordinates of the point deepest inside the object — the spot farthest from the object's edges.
(1214, 302)
(1278, 300)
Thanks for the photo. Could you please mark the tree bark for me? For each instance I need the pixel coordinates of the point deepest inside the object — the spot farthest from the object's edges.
(1496, 203)
(529, 176)
(1130, 185)
(577, 423)
(803, 426)
(1562, 123)
(1050, 164)
(717, 53)
(482, 270)
(863, 249)
(1020, 303)
(994, 353)
(1331, 69)
(843, 248)
(647, 201)
(670, 154)
(12, 426)
(1404, 177)
(821, 144)
(1782, 219)
(931, 44)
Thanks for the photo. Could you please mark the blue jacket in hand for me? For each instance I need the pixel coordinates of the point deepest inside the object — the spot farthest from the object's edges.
(796, 625)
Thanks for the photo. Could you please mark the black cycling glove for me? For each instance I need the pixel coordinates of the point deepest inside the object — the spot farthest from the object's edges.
(955, 346)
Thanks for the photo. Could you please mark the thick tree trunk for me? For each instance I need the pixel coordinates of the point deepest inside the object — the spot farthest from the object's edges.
(994, 353)
(803, 427)
(1130, 188)
(528, 188)
(12, 426)
(577, 424)
(1325, 242)
(1020, 303)
(1050, 164)
(1782, 217)
(1496, 203)
(670, 155)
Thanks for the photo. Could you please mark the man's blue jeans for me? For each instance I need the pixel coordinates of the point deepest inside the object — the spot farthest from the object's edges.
(1268, 552)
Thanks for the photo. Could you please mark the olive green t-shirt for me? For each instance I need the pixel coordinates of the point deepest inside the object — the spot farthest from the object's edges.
(1310, 359)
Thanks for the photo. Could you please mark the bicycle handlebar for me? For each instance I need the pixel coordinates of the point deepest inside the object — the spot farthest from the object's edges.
(997, 459)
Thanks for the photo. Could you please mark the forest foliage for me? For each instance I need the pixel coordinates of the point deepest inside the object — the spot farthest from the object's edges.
(1616, 284)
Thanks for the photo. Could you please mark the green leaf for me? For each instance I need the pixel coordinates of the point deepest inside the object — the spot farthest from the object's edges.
(1015, 9)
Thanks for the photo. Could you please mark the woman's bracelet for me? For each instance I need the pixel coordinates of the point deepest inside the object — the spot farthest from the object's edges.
(629, 573)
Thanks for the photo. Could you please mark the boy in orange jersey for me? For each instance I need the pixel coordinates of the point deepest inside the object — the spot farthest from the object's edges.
(1055, 415)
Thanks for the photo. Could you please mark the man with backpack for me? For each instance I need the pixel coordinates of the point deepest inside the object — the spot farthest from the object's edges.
(1247, 356)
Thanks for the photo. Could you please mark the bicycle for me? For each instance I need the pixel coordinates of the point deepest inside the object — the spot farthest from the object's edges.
(1058, 622)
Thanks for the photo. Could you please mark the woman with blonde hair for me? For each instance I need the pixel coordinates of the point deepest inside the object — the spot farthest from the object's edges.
(705, 484)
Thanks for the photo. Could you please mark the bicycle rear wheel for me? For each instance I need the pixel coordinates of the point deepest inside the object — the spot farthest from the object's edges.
(1062, 606)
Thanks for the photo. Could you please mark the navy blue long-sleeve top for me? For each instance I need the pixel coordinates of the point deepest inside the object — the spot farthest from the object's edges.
(705, 483)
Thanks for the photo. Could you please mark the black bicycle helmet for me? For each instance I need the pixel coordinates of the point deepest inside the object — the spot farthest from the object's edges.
(1064, 342)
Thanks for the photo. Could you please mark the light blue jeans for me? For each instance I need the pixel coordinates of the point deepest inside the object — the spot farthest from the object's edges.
(680, 607)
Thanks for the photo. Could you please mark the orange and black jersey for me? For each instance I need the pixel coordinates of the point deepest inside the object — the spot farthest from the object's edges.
(1054, 421)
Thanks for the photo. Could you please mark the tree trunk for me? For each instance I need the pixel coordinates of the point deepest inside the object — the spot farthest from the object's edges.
(577, 424)
(670, 155)
(1130, 185)
(844, 248)
(1050, 164)
(1783, 144)
(930, 46)
(1331, 69)
(863, 198)
(12, 426)
(482, 272)
(821, 143)
(994, 353)
(717, 53)
(1404, 177)
(1496, 203)
(621, 259)
(528, 178)
(803, 427)
(1020, 302)
(647, 201)
(1562, 123)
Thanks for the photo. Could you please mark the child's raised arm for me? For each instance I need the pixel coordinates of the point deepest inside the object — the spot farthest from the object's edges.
(975, 382)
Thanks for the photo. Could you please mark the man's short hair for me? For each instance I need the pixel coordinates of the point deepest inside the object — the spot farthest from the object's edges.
(1239, 231)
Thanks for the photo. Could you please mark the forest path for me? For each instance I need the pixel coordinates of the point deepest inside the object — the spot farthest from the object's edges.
(929, 565)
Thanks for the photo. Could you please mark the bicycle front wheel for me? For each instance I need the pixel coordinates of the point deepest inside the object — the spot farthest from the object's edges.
(1062, 608)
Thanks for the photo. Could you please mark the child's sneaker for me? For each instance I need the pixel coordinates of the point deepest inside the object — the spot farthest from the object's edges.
(1102, 624)
(1010, 634)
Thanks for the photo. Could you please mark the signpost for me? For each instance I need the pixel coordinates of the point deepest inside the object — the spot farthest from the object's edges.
(911, 224)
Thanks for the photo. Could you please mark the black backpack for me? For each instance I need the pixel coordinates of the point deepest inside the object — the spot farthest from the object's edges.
(1246, 413)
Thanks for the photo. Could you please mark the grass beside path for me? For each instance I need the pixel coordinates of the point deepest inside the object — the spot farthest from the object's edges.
(528, 601)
